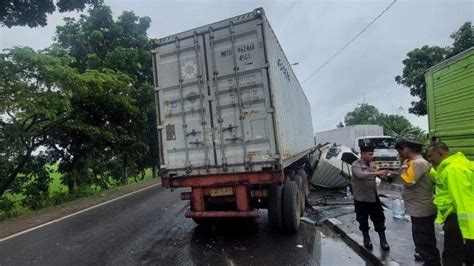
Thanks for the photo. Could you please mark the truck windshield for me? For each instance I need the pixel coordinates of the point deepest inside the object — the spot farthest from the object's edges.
(381, 143)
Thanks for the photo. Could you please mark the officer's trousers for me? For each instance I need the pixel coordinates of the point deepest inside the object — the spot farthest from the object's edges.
(374, 210)
(423, 232)
(455, 250)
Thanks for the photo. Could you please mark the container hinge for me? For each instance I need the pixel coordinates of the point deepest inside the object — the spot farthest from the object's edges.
(154, 51)
(160, 127)
(266, 65)
(229, 128)
(233, 140)
(276, 156)
(158, 88)
(271, 110)
(196, 143)
(163, 166)
(192, 133)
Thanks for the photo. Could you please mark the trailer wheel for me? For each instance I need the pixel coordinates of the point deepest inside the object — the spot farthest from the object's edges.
(291, 207)
(302, 173)
(275, 215)
(300, 182)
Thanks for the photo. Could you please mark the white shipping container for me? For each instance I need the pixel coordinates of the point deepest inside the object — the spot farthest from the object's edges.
(347, 136)
(228, 100)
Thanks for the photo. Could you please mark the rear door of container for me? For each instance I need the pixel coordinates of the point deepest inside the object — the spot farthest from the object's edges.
(185, 126)
(242, 109)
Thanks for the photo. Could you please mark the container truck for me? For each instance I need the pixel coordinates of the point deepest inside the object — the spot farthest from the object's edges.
(385, 155)
(234, 125)
(450, 100)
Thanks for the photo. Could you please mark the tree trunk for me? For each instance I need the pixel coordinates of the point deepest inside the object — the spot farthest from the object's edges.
(125, 170)
(11, 177)
(155, 171)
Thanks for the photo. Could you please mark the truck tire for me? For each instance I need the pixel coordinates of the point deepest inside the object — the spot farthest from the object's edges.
(275, 215)
(300, 182)
(302, 173)
(291, 207)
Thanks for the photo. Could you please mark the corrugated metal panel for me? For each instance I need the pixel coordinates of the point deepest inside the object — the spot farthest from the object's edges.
(218, 90)
(450, 98)
(183, 109)
(347, 135)
(243, 123)
(292, 109)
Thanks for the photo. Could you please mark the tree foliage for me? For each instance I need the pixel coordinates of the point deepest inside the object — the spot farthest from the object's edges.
(85, 121)
(35, 89)
(394, 125)
(98, 42)
(419, 60)
(85, 105)
(34, 13)
(362, 115)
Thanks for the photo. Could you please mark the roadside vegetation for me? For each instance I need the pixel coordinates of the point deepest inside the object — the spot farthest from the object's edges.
(77, 117)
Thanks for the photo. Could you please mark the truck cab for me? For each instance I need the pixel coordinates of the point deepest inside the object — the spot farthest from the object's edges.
(385, 154)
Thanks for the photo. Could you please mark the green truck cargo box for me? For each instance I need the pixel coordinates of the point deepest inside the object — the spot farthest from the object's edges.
(450, 99)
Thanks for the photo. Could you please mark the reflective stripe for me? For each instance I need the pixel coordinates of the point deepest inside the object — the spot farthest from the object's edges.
(466, 216)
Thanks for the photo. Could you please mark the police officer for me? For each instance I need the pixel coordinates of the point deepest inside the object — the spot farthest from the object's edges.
(366, 201)
(418, 194)
(454, 198)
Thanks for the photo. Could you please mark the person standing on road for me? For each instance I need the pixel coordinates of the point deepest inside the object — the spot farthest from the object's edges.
(366, 200)
(417, 192)
(454, 175)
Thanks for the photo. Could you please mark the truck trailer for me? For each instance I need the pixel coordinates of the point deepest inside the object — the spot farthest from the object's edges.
(234, 125)
(450, 100)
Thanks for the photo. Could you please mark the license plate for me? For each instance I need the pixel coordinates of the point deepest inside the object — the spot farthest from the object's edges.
(223, 191)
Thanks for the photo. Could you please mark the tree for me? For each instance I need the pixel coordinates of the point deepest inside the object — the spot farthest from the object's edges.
(463, 39)
(34, 12)
(340, 125)
(399, 127)
(394, 125)
(98, 42)
(364, 114)
(34, 91)
(419, 60)
(417, 63)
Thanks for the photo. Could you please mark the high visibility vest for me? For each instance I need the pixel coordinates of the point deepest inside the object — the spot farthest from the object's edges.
(455, 192)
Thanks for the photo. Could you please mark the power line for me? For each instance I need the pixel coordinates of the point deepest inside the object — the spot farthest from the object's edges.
(353, 39)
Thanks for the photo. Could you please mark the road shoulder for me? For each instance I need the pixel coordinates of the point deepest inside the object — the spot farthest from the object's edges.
(18, 224)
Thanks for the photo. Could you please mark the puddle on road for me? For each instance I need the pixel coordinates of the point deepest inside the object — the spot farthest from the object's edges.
(237, 244)
(329, 248)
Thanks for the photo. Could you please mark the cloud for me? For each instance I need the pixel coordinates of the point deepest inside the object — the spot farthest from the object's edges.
(310, 32)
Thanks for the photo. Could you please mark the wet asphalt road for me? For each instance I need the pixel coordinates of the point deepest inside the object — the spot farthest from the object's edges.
(149, 228)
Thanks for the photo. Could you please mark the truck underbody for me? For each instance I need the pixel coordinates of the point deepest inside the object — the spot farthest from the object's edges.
(241, 195)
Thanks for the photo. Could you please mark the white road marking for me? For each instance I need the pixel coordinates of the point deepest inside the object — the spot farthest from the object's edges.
(76, 213)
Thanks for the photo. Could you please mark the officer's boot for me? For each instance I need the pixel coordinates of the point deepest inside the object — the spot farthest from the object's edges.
(383, 241)
(367, 242)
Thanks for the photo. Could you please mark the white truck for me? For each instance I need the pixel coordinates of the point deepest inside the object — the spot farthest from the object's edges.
(385, 154)
(386, 157)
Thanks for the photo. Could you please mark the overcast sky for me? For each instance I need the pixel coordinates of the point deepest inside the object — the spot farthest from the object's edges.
(310, 32)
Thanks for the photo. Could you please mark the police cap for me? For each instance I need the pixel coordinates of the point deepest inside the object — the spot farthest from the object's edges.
(414, 145)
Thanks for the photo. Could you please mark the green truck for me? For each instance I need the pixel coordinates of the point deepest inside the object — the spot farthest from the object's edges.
(450, 99)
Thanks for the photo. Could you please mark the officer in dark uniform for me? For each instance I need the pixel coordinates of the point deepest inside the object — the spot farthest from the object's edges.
(366, 201)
